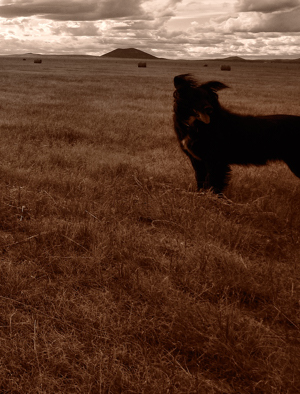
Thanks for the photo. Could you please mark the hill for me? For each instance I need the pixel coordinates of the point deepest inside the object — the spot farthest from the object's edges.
(234, 59)
(129, 53)
(240, 59)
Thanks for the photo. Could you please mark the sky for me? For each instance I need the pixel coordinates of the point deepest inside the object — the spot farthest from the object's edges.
(174, 29)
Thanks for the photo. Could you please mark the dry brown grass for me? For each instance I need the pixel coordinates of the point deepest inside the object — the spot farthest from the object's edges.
(115, 275)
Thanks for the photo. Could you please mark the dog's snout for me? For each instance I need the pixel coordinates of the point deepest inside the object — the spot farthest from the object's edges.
(185, 142)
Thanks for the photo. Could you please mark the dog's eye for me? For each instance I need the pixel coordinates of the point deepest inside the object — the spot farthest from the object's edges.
(208, 110)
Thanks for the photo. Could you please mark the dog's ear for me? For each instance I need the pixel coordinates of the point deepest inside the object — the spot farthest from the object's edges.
(214, 86)
(183, 81)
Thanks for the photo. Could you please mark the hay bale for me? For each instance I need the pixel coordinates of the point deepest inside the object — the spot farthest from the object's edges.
(225, 68)
(205, 65)
(37, 61)
(142, 64)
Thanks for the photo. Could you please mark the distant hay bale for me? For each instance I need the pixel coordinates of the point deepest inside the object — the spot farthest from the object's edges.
(205, 65)
(142, 64)
(24, 59)
(37, 61)
(225, 68)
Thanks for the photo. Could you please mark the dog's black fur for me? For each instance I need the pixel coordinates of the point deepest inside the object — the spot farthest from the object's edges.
(214, 138)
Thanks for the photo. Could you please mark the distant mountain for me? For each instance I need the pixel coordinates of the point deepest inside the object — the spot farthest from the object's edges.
(132, 53)
(129, 53)
(285, 60)
(29, 54)
(264, 60)
(234, 59)
(229, 59)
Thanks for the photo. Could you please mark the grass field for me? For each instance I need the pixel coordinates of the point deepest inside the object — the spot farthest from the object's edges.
(116, 276)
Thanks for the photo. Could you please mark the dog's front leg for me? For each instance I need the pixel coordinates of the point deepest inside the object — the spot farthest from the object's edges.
(218, 176)
(200, 173)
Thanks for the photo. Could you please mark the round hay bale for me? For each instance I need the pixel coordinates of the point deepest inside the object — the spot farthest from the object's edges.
(37, 61)
(142, 64)
(225, 68)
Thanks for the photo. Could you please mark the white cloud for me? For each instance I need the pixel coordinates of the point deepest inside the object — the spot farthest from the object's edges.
(260, 22)
(89, 29)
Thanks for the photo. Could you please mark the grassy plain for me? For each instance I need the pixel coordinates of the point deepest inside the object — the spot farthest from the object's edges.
(115, 275)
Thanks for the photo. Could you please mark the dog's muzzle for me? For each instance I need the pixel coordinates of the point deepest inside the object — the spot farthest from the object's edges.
(185, 143)
(186, 146)
(204, 115)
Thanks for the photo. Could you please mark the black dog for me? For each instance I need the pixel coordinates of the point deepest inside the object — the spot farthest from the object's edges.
(214, 138)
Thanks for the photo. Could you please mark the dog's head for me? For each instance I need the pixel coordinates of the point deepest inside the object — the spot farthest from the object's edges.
(194, 101)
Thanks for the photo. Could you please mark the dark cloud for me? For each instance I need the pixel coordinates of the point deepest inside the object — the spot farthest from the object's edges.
(280, 22)
(266, 6)
(140, 25)
(75, 10)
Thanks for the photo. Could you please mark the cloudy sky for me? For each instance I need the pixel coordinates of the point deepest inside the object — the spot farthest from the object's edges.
(189, 29)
